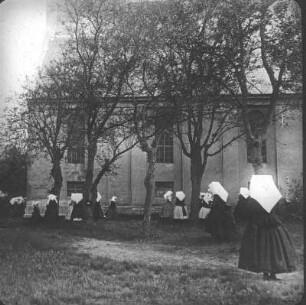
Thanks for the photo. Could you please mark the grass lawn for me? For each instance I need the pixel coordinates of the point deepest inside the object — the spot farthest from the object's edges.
(109, 263)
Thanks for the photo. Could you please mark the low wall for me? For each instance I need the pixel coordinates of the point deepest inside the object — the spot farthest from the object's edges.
(63, 208)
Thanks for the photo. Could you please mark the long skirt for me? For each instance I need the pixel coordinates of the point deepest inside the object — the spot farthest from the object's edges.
(69, 212)
(220, 225)
(178, 212)
(167, 211)
(203, 213)
(266, 249)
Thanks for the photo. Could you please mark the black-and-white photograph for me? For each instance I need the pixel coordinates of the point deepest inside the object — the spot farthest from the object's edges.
(151, 152)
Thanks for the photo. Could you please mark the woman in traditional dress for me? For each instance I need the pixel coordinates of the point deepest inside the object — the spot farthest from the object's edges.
(52, 208)
(180, 211)
(75, 207)
(266, 244)
(97, 209)
(205, 203)
(219, 221)
(36, 217)
(166, 214)
(111, 212)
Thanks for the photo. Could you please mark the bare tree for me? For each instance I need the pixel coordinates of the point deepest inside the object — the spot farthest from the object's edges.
(42, 121)
(103, 52)
(151, 122)
(189, 78)
(260, 36)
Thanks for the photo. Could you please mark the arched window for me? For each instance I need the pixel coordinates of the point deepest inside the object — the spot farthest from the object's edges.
(164, 122)
(165, 149)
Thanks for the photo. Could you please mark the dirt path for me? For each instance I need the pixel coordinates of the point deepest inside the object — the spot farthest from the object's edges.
(151, 253)
(214, 256)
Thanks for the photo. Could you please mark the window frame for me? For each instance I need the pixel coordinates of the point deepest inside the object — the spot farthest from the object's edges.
(165, 149)
(257, 114)
(159, 191)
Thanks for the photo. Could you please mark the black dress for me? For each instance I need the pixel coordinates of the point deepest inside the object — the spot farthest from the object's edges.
(111, 212)
(266, 244)
(219, 221)
(36, 217)
(52, 211)
(97, 211)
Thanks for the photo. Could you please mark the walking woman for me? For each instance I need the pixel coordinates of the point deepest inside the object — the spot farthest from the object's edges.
(266, 244)
(219, 221)
(111, 212)
(180, 211)
(205, 203)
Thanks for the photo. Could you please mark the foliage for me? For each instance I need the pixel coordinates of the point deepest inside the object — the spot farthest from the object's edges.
(295, 199)
(13, 169)
(181, 66)
(101, 53)
(262, 47)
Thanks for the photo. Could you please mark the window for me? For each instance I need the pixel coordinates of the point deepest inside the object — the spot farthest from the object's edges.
(256, 119)
(162, 187)
(74, 187)
(76, 151)
(164, 125)
(164, 152)
(263, 151)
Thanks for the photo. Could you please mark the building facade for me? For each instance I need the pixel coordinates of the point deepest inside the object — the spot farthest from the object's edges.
(281, 152)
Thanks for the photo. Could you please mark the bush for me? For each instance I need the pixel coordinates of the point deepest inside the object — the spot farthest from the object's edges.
(295, 199)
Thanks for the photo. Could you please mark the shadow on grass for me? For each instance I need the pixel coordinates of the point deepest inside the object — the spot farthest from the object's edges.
(47, 271)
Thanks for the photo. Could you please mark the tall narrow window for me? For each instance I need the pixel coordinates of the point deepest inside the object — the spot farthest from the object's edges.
(76, 153)
(256, 118)
(263, 151)
(165, 148)
(76, 149)
(164, 124)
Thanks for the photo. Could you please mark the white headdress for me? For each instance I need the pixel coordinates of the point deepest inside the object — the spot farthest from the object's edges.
(17, 200)
(76, 197)
(217, 189)
(114, 198)
(207, 197)
(244, 192)
(167, 195)
(52, 197)
(180, 195)
(2, 194)
(264, 190)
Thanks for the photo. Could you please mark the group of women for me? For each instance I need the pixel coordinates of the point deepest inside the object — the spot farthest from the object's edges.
(266, 246)
(179, 211)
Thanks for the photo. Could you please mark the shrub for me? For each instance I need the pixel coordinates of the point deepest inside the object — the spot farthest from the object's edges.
(294, 199)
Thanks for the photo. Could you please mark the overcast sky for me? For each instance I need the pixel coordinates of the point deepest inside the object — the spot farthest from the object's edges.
(23, 42)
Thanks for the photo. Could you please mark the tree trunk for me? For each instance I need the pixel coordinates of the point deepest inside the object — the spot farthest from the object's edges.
(196, 170)
(149, 185)
(255, 156)
(87, 191)
(105, 169)
(56, 173)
